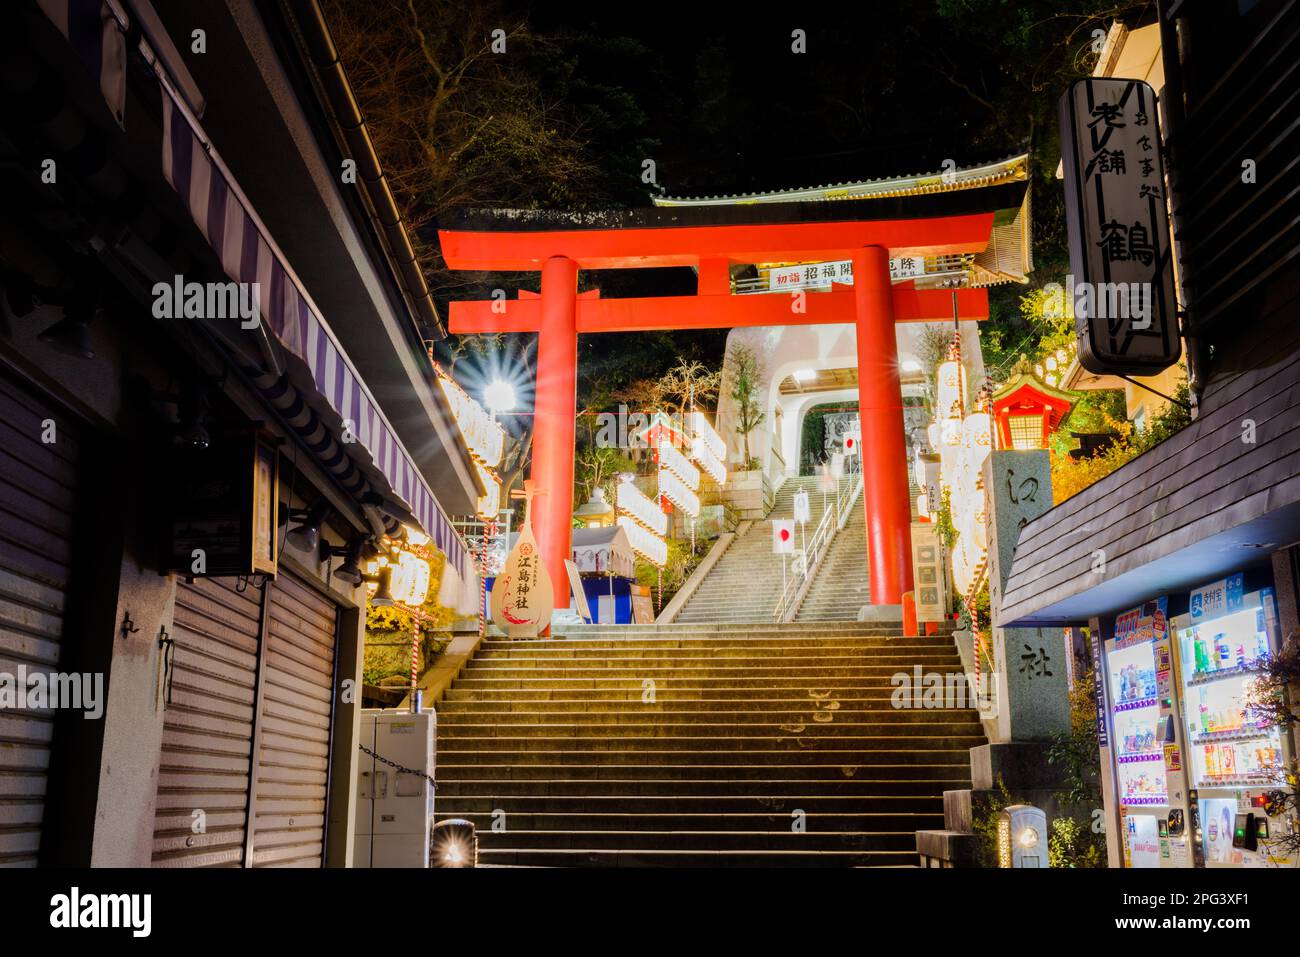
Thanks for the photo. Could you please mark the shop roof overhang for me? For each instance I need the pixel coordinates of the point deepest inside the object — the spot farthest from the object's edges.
(1196, 564)
(272, 142)
(521, 240)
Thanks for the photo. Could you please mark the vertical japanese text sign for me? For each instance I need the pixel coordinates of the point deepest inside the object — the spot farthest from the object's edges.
(1121, 261)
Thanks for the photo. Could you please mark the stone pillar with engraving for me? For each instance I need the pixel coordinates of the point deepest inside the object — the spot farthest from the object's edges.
(1030, 662)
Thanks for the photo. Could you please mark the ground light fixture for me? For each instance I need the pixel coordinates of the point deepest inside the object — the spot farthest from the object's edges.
(454, 843)
(1021, 832)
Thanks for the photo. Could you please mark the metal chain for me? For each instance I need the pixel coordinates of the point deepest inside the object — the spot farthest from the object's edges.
(393, 764)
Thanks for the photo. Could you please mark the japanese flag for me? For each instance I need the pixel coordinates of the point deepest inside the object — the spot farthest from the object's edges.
(782, 536)
(852, 443)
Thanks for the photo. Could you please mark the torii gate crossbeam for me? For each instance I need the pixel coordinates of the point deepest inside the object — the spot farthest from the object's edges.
(873, 303)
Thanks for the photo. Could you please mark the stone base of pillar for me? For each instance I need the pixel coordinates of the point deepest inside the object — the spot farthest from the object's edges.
(1018, 768)
(880, 613)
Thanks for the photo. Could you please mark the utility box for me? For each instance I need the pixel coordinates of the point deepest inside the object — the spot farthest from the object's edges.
(394, 804)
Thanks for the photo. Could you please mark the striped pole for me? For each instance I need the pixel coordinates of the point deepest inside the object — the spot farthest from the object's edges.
(415, 664)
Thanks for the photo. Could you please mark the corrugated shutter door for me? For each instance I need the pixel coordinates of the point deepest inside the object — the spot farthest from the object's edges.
(208, 726)
(297, 707)
(37, 499)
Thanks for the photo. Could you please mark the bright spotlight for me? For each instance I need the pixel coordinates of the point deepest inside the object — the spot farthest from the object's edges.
(805, 375)
(499, 396)
(911, 365)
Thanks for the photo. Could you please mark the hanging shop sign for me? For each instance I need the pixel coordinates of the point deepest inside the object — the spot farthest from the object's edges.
(223, 509)
(1121, 284)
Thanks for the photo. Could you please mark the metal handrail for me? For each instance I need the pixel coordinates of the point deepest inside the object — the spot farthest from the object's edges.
(834, 514)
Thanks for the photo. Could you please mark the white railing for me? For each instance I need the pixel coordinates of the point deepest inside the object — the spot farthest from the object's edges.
(834, 514)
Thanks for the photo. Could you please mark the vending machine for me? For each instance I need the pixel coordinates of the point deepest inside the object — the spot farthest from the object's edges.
(1145, 741)
(1236, 763)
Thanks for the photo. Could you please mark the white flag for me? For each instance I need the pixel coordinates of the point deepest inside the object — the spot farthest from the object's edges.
(802, 509)
(837, 465)
(825, 481)
(782, 536)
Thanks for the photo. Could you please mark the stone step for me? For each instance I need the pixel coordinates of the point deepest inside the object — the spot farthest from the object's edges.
(459, 802)
(490, 713)
(667, 704)
(901, 841)
(884, 778)
(577, 652)
(568, 857)
(736, 825)
(858, 793)
(531, 751)
(801, 727)
(652, 668)
(693, 683)
(725, 695)
(657, 747)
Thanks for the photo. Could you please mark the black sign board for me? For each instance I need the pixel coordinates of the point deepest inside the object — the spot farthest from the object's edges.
(223, 511)
(1121, 260)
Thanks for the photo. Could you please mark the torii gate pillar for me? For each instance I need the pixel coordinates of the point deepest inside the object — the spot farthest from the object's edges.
(553, 426)
(885, 491)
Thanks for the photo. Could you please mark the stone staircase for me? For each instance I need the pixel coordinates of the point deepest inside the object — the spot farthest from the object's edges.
(691, 745)
(841, 585)
(746, 583)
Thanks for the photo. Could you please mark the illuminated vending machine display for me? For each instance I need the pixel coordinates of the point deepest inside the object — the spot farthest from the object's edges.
(1237, 761)
(1145, 743)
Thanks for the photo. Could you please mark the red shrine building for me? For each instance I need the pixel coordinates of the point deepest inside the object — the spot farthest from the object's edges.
(915, 249)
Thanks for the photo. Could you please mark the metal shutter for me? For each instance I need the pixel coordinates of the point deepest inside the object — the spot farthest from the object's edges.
(37, 498)
(294, 738)
(208, 725)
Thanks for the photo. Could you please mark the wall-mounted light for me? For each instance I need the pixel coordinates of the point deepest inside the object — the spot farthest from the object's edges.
(191, 432)
(306, 534)
(383, 596)
(71, 334)
(350, 571)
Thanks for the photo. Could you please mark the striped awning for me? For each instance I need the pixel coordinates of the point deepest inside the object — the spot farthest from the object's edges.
(96, 30)
(317, 390)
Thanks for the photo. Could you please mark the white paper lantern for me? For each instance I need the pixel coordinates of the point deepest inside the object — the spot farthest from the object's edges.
(632, 501)
(951, 392)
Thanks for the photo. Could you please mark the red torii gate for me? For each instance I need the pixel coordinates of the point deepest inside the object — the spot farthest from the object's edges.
(511, 240)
